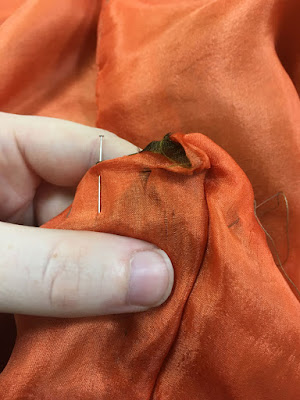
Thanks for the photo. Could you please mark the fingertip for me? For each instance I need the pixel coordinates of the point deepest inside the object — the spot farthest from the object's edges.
(151, 278)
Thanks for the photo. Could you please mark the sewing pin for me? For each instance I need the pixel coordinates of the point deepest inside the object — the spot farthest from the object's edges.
(99, 178)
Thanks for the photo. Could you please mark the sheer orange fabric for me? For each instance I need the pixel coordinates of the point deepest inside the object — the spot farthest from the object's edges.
(230, 70)
(231, 323)
(216, 67)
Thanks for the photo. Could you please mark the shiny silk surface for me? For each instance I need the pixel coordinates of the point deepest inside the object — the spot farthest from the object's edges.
(228, 69)
(231, 326)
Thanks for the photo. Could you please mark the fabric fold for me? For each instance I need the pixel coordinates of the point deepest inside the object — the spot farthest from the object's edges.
(171, 352)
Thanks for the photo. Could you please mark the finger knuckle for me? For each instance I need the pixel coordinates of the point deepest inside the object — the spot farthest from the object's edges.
(63, 274)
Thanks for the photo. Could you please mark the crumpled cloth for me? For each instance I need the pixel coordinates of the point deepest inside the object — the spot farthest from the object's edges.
(230, 70)
(231, 323)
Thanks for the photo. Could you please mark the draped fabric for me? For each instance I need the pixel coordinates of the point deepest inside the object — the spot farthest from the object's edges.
(231, 323)
(224, 77)
(228, 69)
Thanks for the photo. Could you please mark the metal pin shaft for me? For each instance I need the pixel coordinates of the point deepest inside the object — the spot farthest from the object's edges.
(100, 147)
(99, 178)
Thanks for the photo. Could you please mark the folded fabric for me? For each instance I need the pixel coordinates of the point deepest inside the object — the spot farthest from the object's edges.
(231, 71)
(230, 329)
(228, 69)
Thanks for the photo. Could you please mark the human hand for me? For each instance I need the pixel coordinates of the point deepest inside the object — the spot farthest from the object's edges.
(43, 271)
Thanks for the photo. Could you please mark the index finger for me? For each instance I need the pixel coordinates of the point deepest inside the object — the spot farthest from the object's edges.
(60, 151)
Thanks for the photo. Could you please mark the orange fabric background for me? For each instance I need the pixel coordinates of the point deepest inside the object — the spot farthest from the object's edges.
(229, 70)
(216, 67)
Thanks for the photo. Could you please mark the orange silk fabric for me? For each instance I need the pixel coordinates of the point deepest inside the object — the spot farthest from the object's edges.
(228, 69)
(231, 324)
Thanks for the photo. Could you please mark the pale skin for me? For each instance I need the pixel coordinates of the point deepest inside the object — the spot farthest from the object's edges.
(63, 273)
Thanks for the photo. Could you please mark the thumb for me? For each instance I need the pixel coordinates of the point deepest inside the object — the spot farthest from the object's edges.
(75, 274)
